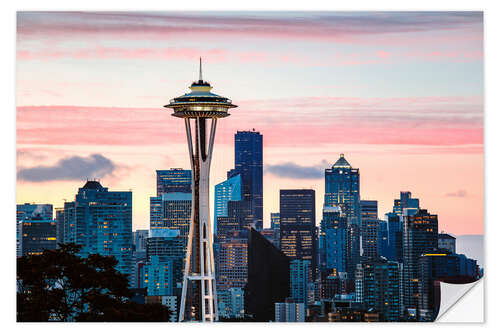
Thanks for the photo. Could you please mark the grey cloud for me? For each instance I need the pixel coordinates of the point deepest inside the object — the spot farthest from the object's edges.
(292, 170)
(71, 168)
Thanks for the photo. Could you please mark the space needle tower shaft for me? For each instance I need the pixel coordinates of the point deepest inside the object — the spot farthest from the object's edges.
(200, 109)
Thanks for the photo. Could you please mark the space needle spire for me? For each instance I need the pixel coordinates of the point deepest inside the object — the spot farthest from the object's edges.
(201, 77)
(198, 107)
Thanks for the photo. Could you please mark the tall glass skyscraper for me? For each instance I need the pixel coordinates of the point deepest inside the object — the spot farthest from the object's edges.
(171, 210)
(101, 221)
(333, 241)
(248, 164)
(377, 285)
(420, 236)
(228, 190)
(298, 226)
(173, 180)
(342, 189)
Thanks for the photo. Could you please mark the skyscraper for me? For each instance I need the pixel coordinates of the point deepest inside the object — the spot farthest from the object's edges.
(433, 267)
(342, 189)
(298, 226)
(101, 221)
(420, 236)
(173, 180)
(172, 210)
(390, 240)
(268, 272)
(232, 259)
(333, 241)
(248, 164)
(299, 280)
(167, 244)
(369, 209)
(196, 108)
(228, 190)
(447, 242)
(405, 201)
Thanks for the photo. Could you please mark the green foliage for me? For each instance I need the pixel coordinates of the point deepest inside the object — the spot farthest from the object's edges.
(59, 285)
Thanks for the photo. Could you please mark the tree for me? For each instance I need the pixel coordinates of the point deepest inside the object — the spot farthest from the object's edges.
(59, 285)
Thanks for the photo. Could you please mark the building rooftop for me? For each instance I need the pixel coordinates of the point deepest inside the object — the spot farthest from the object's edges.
(342, 163)
(92, 185)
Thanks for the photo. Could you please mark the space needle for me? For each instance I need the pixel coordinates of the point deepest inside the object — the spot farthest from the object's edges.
(199, 298)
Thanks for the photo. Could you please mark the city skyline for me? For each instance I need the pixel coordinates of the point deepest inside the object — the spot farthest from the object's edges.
(399, 133)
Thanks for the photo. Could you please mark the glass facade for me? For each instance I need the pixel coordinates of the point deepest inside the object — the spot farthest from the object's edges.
(228, 190)
(248, 164)
(298, 226)
(101, 221)
(342, 189)
(173, 180)
(420, 236)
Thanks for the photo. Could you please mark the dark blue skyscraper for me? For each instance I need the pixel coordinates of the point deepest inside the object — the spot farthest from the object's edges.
(101, 221)
(248, 164)
(333, 241)
(298, 226)
(420, 236)
(342, 189)
(390, 238)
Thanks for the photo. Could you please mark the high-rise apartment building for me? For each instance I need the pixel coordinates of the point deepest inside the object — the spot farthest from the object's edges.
(173, 180)
(158, 277)
(299, 280)
(298, 226)
(290, 312)
(377, 286)
(101, 221)
(342, 189)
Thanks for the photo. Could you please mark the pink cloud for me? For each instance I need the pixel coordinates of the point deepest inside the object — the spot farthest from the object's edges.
(433, 121)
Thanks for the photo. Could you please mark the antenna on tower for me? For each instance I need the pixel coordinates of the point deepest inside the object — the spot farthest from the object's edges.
(201, 77)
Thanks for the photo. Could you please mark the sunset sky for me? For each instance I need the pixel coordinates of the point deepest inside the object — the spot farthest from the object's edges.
(399, 93)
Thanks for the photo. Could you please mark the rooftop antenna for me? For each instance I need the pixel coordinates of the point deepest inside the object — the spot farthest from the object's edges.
(201, 77)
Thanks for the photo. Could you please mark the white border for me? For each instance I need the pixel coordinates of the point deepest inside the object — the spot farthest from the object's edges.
(7, 200)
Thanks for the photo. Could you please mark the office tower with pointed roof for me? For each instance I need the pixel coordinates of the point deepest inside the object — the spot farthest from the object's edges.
(200, 110)
(342, 189)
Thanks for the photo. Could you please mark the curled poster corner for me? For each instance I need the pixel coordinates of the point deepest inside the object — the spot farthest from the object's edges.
(461, 302)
